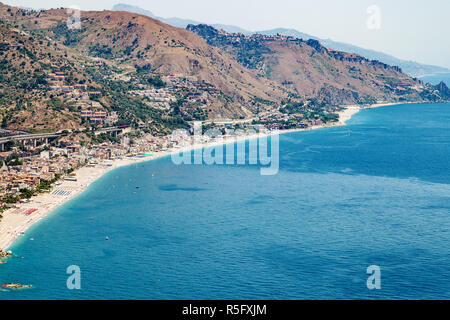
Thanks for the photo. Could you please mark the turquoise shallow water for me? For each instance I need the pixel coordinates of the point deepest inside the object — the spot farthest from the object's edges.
(376, 192)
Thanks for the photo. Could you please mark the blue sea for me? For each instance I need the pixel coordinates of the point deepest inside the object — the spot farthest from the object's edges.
(376, 192)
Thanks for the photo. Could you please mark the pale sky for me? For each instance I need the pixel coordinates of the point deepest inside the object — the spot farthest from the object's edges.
(410, 29)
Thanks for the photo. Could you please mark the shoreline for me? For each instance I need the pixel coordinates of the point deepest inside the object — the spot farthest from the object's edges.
(15, 223)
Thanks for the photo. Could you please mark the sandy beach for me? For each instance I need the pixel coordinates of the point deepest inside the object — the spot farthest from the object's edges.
(15, 221)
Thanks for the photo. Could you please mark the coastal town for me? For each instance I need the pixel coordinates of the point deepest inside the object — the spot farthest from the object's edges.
(31, 163)
(223, 151)
(37, 177)
(31, 169)
(40, 169)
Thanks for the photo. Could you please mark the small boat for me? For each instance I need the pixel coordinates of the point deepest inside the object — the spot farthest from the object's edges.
(107, 238)
(137, 187)
(15, 286)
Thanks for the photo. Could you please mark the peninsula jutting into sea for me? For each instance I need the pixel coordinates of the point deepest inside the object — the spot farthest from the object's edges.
(211, 162)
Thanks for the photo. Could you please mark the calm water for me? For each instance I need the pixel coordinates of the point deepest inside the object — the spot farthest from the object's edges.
(379, 196)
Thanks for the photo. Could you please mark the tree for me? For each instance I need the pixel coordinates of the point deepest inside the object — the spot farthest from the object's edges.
(4, 122)
(26, 193)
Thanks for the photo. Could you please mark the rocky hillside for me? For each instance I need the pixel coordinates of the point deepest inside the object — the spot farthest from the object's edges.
(128, 39)
(33, 98)
(25, 99)
(411, 68)
(125, 68)
(314, 71)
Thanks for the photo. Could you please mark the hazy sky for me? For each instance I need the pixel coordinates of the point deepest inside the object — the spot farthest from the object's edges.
(410, 29)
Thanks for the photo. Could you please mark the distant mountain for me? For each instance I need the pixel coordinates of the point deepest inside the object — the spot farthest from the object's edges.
(412, 68)
(176, 22)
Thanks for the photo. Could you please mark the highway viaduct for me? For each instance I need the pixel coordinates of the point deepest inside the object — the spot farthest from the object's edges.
(32, 138)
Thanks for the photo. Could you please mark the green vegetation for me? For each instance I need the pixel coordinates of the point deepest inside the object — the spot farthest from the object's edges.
(367, 100)
(132, 110)
(249, 52)
(263, 101)
(69, 37)
(102, 138)
(102, 51)
(156, 82)
(46, 185)
(328, 117)
(13, 160)
(293, 107)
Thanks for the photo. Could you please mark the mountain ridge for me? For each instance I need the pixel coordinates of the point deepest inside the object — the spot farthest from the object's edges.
(412, 68)
(312, 70)
(174, 21)
(206, 81)
(141, 72)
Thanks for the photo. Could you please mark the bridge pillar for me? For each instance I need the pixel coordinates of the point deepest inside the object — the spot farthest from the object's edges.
(34, 143)
(3, 147)
(46, 140)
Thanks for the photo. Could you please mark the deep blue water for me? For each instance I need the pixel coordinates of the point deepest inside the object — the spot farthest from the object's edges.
(373, 193)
